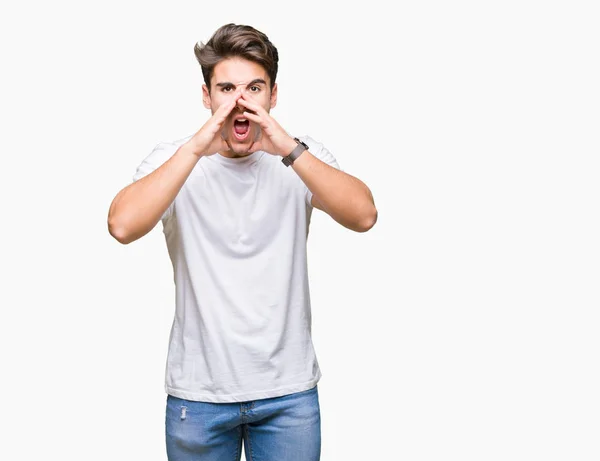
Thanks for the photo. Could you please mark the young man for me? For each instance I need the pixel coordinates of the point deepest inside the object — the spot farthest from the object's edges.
(235, 200)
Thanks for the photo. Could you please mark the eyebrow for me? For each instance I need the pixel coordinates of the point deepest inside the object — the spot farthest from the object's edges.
(253, 82)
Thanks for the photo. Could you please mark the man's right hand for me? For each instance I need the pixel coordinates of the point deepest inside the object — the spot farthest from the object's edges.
(208, 140)
(139, 206)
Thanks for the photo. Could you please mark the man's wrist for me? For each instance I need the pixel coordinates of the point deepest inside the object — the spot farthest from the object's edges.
(289, 147)
(191, 148)
(194, 148)
(295, 153)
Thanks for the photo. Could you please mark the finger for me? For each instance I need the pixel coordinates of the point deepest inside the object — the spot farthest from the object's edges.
(252, 106)
(221, 114)
(255, 118)
(225, 109)
(219, 118)
(228, 107)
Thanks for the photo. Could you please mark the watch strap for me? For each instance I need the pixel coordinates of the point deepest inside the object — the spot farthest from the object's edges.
(298, 150)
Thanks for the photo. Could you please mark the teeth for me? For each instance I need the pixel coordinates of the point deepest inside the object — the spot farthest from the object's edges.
(241, 120)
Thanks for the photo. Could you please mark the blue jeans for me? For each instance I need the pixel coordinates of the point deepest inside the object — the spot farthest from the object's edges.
(286, 428)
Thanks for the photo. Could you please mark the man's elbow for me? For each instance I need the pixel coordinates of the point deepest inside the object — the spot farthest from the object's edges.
(118, 233)
(368, 221)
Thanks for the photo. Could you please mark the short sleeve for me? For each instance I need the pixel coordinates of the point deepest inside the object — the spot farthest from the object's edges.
(162, 152)
(321, 152)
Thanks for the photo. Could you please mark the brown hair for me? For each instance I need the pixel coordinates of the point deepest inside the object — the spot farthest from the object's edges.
(233, 40)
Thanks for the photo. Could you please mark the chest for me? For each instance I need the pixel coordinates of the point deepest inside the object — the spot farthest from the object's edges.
(241, 207)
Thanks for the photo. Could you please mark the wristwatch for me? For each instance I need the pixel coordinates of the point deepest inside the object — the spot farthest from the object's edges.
(301, 147)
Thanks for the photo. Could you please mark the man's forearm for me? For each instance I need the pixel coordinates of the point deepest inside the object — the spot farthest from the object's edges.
(344, 197)
(138, 207)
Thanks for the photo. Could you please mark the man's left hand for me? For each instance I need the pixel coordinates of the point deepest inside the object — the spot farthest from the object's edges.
(273, 138)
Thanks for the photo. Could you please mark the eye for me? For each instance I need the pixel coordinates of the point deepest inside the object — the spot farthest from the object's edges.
(227, 89)
(255, 89)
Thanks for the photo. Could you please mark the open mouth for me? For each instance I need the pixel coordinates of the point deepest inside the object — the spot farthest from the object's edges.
(241, 128)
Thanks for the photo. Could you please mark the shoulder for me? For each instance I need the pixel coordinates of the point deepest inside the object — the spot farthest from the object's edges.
(179, 142)
(174, 144)
(313, 145)
(163, 150)
(320, 151)
(160, 153)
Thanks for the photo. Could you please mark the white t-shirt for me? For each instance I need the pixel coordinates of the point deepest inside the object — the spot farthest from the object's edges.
(236, 235)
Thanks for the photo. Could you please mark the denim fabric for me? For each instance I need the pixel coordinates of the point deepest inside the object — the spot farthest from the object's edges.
(286, 428)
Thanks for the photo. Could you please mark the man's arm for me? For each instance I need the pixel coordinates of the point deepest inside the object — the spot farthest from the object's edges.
(138, 207)
(342, 196)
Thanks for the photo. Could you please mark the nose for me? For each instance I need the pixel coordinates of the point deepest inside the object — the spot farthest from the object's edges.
(239, 108)
(238, 93)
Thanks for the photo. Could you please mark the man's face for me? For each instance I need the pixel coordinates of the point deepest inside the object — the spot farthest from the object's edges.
(228, 76)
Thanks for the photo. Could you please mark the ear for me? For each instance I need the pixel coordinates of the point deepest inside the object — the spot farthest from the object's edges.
(205, 96)
(274, 96)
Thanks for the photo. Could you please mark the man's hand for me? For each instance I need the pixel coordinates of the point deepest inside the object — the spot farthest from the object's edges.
(209, 140)
(273, 139)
